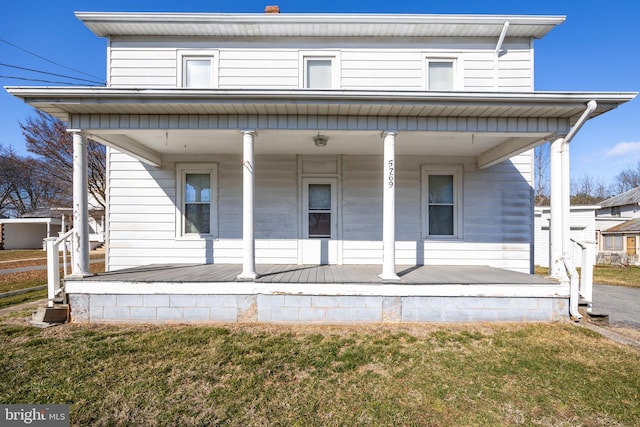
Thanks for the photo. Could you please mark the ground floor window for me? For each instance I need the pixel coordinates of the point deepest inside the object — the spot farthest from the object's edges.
(319, 213)
(442, 201)
(196, 199)
(612, 243)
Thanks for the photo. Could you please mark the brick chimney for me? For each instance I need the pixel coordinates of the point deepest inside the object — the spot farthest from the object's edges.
(272, 9)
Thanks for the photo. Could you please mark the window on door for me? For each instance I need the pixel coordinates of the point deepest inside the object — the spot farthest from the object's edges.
(319, 213)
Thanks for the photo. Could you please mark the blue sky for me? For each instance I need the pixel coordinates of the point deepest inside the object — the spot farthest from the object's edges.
(596, 49)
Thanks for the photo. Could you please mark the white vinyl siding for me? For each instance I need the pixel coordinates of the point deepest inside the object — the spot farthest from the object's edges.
(376, 69)
(258, 68)
(142, 67)
(242, 65)
(497, 212)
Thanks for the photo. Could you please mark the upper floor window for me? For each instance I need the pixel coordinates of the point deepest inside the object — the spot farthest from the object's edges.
(615, 211)
(197, 69)
(319, 70)
(441, 74)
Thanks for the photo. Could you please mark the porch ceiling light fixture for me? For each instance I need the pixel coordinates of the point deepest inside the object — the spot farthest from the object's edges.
(320, 140)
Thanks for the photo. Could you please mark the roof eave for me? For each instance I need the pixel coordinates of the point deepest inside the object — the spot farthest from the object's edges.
(105, 24)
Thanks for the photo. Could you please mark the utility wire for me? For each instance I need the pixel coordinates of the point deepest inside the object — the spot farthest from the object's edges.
(51, 74)
(48, 60)
(37, 80)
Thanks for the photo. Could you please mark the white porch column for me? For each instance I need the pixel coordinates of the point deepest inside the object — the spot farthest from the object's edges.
(555, 220)
(389, 208)
(248, 191)
(566, 200)
(80, 267)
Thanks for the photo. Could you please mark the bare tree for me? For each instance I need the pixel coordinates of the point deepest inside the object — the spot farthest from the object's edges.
(47, 137)
(588, 191)
(628, 179)
(24, 184)
(541, 171)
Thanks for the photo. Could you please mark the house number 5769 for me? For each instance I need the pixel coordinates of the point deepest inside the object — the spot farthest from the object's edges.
(391, 177)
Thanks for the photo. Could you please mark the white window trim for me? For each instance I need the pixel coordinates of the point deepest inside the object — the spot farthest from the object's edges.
(458, 217)
(333, 181)
(336, 66)
(181, 170)
(458, 81)
(184, 54)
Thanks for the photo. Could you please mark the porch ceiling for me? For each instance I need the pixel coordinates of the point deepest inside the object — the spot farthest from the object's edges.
(354, 142)
(151, 123)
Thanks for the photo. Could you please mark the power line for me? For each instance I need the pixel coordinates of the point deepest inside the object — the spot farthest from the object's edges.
(48, 60)
(37, 80)
(51, 74)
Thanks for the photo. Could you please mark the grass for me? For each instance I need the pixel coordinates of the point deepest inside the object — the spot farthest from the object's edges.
(530, 374)
(628, 276)
(19, 254)
(28, 279)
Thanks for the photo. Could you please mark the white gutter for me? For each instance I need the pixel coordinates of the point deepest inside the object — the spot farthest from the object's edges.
(565, 191)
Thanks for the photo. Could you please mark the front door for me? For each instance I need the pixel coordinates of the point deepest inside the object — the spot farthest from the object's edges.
(631, 245)
(319, 221)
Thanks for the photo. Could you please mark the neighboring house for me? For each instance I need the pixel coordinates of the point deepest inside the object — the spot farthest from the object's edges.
(319, 168)
(582, 230)
(30, 230)
(618, 223)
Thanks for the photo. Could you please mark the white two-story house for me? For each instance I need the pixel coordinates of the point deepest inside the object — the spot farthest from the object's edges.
(320, 168)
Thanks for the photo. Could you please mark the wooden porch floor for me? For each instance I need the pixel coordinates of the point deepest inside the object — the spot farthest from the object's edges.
(321, 274)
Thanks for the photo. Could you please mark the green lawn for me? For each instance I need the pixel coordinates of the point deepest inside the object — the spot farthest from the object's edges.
(609, 275)
(528, 374)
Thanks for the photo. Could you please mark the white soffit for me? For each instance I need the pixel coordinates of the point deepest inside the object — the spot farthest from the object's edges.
(109, 24)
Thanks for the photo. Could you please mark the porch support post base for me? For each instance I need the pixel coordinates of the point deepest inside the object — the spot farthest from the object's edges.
(389, 277)
(250, 277)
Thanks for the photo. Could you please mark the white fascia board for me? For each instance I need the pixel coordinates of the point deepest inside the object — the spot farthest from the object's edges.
(36, 93)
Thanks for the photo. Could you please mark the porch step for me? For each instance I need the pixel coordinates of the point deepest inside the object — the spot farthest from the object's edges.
(45, 317)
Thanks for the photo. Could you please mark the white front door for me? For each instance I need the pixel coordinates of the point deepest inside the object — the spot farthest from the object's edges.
(319, 244)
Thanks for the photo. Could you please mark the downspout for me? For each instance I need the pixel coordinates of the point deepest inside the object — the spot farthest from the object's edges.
(574, 294)
(496, 55)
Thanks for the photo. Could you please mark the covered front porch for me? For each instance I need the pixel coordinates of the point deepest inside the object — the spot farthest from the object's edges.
(294, 293)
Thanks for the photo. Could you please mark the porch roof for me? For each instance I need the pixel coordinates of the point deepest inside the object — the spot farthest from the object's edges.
(490, 126)
(65, 101)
